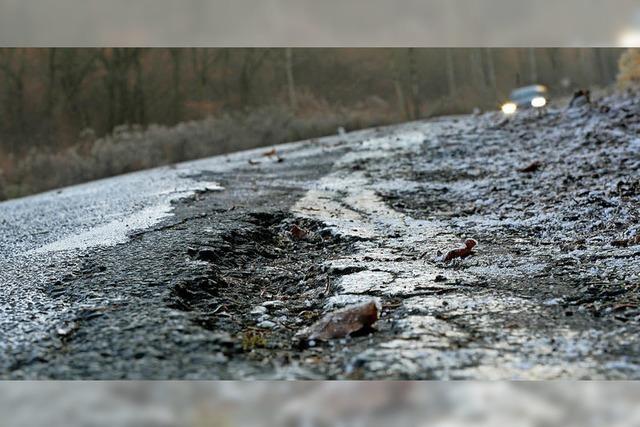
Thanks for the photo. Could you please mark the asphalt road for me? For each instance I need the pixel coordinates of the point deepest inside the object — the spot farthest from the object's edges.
(191, 271)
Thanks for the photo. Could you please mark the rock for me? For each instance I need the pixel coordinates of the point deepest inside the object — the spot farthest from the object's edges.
(259, 309)
(266, 324)
(273, 304)
(263, 317)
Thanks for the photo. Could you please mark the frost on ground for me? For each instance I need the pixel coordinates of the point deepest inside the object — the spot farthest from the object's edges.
(219, 283)
(553, 202)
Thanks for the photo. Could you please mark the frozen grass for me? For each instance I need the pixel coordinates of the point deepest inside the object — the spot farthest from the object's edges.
(629, 66)
(131, 148)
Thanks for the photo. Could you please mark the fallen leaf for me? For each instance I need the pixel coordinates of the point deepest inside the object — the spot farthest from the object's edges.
(461, 252)
(623, 243)
(343, 322)
(297, 232)
(269, 153)
(533, 167)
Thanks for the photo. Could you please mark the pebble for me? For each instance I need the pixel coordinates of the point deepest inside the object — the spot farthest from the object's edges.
(259, 309)
(266, 324)
(274, 303)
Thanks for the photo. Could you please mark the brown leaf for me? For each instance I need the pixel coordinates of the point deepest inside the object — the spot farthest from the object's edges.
(297, 232)
(623, 243)
(269, 153)
(461, 252)
(533, 167)
(343, 322)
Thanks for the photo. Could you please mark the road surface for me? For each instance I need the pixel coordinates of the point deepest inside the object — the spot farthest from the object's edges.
(192, 271)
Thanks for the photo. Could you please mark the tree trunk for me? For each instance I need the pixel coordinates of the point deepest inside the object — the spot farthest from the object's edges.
(51, 83)
(413, 84)
(451, 72)
(139, 101)
(491, 71)
(533, 65)
(176, 76)
(291, 85)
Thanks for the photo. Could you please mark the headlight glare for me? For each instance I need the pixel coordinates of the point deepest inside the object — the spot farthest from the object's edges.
(509, 108)
(538, 101)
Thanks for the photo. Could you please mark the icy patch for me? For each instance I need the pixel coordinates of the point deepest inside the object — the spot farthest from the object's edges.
(118, 230)
(364, 281)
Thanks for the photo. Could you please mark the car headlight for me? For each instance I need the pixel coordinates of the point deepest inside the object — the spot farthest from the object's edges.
(509, 108)
(538, 101)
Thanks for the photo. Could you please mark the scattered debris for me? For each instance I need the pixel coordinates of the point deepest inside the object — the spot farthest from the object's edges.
(273, 304)
(266, 324)
(533, 167)
(580, 98)
(272, 154)
(628, 188)
(461, 252)
(623, 243)
(343, 322)
(298, 232)
(259, 309)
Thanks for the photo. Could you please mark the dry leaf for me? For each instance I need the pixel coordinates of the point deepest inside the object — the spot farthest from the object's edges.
(533, 167)
(462, 252)
(297, 232)
(627, 242)
(343, 322)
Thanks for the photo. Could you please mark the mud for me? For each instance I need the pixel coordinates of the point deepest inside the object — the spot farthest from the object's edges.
(219, 287)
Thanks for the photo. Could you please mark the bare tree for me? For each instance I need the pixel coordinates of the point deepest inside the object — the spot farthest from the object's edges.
(252, 61)
(491, 70)
(176, 85)
(291, 85)
(451, 72)
(12, 66)
(533, 65)
(72, 67)
(413, 83)
(125, 104)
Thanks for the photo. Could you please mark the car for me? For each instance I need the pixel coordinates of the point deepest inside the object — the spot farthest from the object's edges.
(534, 96)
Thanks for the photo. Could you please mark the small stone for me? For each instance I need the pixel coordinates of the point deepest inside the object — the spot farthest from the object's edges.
(273, 304)
(264, 317)
(267, 324)
(259, 309)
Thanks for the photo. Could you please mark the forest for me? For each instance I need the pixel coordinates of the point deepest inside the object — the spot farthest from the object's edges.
(69, 115)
